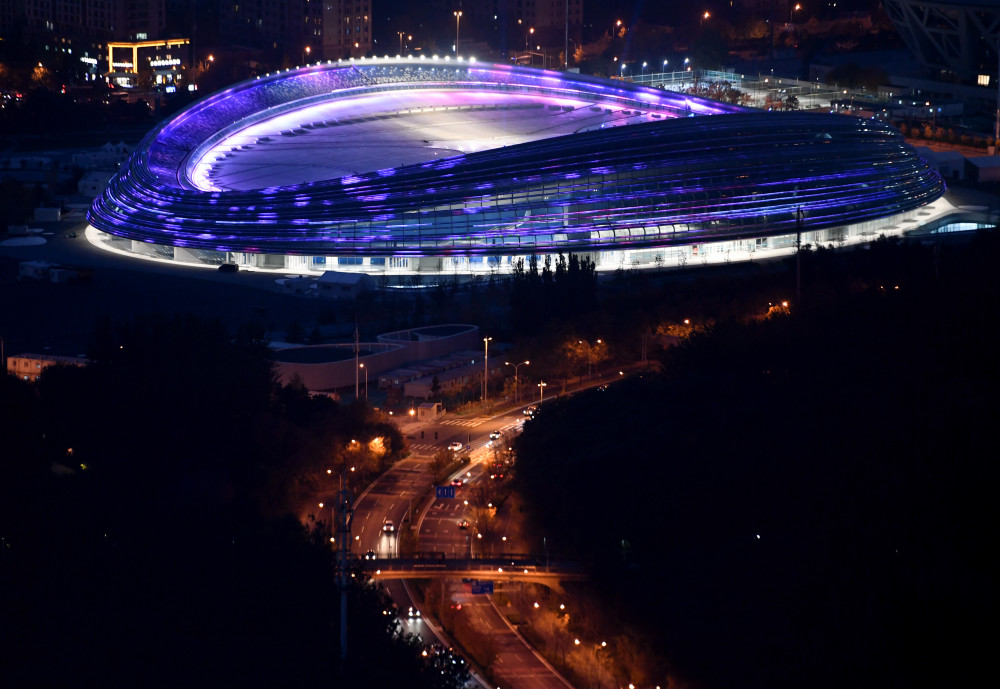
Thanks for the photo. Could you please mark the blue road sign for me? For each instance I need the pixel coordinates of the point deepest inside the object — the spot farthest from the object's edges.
(444, 491)
(481, 586)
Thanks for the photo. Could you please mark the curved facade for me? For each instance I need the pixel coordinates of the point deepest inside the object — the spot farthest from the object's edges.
(382, 165)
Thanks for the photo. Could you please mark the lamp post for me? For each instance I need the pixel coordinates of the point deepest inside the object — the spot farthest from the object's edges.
(597, 662)
(516, 389)
(566, 46)
(306, 53)
(401, 34)
(643, 75)
(486, 367)
(597, 647)
(541, 392)
(458, 21)
(793, 9)
(366, 380)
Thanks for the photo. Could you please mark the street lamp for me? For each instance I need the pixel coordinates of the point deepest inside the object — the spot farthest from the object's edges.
(305, 53)
(643, 70)
(458, 20)
(541, 392)
(401, 34)
(486, 366)
(597, 662)
(366, 380)
(793, 9)
(616, 28)
(516, 389)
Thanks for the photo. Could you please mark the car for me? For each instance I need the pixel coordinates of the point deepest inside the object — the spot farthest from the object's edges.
(388, 526)
(412, 612)
(495, 435)
(463, 523)
(458, 483)
(530, 411)
(456, 446)
(370, 555)
(229, 268)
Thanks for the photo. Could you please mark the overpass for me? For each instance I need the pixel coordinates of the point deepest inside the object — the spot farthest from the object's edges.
(508, 568)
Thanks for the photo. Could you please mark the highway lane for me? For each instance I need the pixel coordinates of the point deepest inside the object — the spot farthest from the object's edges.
(399, 495)
(516, 664)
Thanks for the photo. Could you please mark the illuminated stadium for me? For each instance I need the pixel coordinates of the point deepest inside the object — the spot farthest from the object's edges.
(399, 167)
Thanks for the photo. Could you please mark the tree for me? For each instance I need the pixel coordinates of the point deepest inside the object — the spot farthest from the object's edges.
(851, 75)
(803, 513)
(172, 518)
(711, 49)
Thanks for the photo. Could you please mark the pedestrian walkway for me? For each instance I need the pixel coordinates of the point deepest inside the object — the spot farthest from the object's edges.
(469, 423)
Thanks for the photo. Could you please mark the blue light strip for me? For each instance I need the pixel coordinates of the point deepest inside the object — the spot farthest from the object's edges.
(675, 180)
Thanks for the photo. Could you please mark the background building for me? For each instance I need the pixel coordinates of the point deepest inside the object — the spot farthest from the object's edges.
(954, 40)
(30, 366)
(291, 27)
(346, 28)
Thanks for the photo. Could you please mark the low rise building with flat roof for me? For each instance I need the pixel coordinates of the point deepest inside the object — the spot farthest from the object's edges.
(30, 366)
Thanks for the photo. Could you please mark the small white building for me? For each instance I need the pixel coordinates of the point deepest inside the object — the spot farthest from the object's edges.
(429, 411)
(983, 169)
(334, 285)
(45, 214)
(948, 164)
(107, 157)
(94, 182)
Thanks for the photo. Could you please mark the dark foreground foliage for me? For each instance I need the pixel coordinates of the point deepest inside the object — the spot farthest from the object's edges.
(147, 536)
(804, 500)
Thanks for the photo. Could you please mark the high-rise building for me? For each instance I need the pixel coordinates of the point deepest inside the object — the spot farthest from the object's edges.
(289, 27)
(77, 32)
(57, 21)
(300, 30)
(347, 28)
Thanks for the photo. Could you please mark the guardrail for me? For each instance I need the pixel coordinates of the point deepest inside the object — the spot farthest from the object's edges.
(517, 562)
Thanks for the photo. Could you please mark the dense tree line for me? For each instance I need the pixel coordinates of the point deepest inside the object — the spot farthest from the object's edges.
(565, 288)
(147, 528)
(800, 500)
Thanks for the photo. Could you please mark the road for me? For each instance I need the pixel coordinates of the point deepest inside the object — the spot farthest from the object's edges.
(400, 493)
